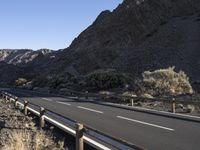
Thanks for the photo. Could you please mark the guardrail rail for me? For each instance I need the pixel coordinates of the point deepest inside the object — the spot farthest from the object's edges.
(83, 133)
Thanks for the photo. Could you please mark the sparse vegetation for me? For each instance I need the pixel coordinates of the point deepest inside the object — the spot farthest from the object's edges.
(190, 108)
(19, 132)
(20, 81)
(55, 81)
(102, 80)
(165, 82)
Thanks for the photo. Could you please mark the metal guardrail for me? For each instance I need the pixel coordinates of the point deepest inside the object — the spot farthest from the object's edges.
(171, 100)
(169, 103)
(82, 133)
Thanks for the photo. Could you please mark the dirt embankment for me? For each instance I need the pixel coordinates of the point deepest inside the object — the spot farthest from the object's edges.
(19, 132)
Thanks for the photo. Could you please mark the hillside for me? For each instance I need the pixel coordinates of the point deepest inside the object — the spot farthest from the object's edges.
(137, 36)
(21, 56)
(8, 73)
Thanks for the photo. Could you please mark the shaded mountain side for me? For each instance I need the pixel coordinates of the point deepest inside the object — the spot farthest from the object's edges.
(9, 73)
(137, 36)
(131, 22)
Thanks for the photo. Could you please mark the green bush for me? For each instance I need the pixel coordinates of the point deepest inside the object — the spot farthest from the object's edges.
(103, 80)
(165, 82)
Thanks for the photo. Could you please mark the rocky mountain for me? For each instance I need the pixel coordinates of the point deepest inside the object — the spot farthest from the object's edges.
(139, 35)
(21, 57)
(9, 73)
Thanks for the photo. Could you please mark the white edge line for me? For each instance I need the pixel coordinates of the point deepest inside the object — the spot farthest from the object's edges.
(145, 123)
(64, 103)
(47, 99)
(96, 143)
(90, 109)
(165, 112)
(157, 111)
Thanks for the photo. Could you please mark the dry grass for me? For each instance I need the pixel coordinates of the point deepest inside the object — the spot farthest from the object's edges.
(18, 140)
(28, 140)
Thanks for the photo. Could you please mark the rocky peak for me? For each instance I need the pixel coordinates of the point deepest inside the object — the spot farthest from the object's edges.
(130, 23)
(45, 51)
(21, 56)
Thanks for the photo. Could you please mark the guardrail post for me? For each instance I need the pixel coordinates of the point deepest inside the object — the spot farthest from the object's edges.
(132, 102)
(86, 94)
(42, 110)
(3, 96)
(79, 136)
(6, 97)
(25, 107)
(173, 106)
(9, 97)
(16, 101)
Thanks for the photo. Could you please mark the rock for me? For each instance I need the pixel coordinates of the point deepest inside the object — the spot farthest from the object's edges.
(147, 96)
(180, 106)
(190, 108)
(21, 56)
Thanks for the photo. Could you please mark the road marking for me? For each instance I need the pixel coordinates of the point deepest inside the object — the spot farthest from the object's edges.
(71, 97)
(63, 103)
(90, 109)
(47, 99)
(149, 124)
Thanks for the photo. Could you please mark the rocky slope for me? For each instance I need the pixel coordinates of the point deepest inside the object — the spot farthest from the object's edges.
(131, 22)
(139, 35)
(9, 73)
(21, 56)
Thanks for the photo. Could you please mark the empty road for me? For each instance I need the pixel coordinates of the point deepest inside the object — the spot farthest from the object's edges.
(150, 131)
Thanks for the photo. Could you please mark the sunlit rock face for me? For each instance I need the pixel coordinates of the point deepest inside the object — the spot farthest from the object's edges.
(21, 56)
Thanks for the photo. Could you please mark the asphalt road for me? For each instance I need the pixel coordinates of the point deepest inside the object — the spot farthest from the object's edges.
(150, 131)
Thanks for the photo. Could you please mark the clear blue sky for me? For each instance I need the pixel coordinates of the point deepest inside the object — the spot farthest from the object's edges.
(50, 24)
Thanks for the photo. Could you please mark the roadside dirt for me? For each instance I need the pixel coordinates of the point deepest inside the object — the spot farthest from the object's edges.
(19, 132)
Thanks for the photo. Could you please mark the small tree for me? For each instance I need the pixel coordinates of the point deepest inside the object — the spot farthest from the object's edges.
(166, 82)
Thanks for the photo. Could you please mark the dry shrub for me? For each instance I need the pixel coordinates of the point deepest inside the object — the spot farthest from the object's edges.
(28, 140)
(166, 82)
(18, 140)
(20, 81)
